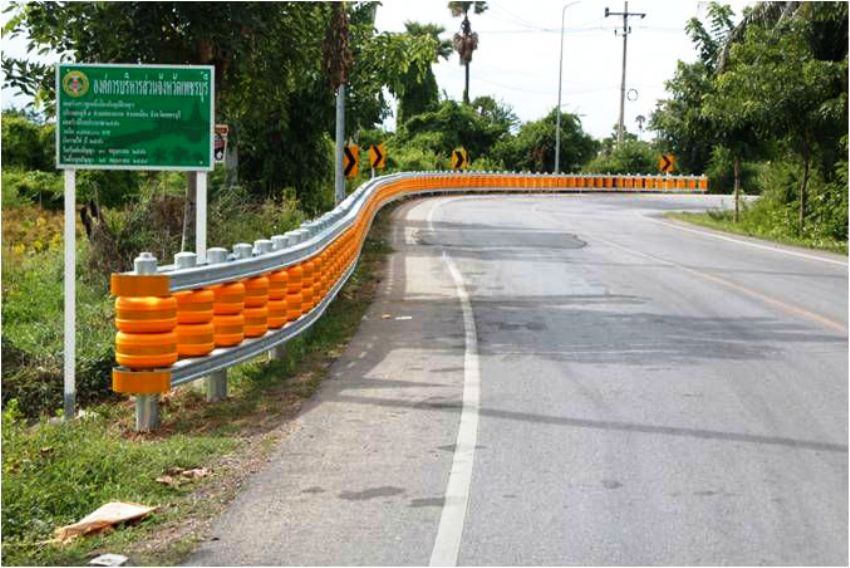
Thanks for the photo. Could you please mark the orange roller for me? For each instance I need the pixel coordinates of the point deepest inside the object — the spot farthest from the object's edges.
(256, 321)
(277, 313)
(277, 284)
(148, 314)
(195, 340)
(228, 321)
(229, 329)
(293, 292)
(256, 310)
(277, 298)
(307, 286)
(194, 306)
(325, 275)
(145, 350)
(229, 298)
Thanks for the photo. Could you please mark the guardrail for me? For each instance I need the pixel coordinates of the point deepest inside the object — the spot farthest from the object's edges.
(196, 318)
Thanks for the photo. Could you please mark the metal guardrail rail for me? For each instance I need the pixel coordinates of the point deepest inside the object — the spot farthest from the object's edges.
(349, 221)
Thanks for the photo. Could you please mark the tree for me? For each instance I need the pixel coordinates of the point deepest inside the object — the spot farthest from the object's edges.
(143, 32)
(466, 42)
(422, 95)
(271, 87)
(679, 122)
(453, 125)
(774, 84)
(533, 147)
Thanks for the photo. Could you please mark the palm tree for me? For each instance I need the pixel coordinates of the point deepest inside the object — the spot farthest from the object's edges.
(466, 41)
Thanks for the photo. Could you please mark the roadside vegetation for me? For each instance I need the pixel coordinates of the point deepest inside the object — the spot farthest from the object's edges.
(763, 110)
(54, 472)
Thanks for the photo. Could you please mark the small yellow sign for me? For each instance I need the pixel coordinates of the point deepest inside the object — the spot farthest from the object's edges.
(667, 163)
(351, 160)
(378, 156)
(460, 159)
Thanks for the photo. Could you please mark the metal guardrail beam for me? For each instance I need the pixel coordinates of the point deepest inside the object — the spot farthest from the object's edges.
(313, 237)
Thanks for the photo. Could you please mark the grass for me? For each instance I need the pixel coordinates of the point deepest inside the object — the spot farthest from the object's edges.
(723, 221)
(55, 473)
(32, 311)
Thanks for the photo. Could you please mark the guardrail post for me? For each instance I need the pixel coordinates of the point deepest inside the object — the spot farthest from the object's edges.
(147, 405)
(216, 382)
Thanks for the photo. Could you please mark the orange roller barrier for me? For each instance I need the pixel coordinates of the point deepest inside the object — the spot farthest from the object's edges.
(228, 321)
(256, 310)
(194, 306)
(146, 350)
(277, 298)
(293, 292)
(195, 329)
(146, 314)
(196, 339)
(307, 279)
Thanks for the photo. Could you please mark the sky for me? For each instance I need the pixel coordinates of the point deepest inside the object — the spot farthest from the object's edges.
(517, 57)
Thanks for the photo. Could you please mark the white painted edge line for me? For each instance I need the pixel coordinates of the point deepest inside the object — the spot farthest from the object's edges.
(450, 530)
(742, 242)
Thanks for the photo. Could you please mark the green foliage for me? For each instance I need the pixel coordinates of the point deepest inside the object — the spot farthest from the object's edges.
(235, 218)
(680, 122)
(22, 188)
(721, 175)
(421, 93)
(773, 88)
(462, 8)
(533, 147)
(453, 125)
(631, 157)
(27, 145)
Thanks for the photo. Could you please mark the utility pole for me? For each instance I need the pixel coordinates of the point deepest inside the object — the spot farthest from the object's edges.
(560, 75)
(626, 31)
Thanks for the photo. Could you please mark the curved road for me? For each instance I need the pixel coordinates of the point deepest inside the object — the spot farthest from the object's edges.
(570, 380)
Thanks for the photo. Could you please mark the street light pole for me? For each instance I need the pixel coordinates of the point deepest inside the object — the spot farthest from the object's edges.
(560, 75)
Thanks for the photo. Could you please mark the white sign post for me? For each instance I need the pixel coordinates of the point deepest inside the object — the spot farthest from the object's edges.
(201, 218)
(70, 287)
(129, 117)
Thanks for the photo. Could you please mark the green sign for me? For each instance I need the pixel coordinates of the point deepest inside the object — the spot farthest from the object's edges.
(134, 117)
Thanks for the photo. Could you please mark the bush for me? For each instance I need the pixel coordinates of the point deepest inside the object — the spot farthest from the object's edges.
(721, 173)
(22, 188)
(27, 145)
(630, 157)
(412, 159)
(234, 217)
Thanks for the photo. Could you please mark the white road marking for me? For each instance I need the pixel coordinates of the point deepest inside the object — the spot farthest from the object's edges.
(447, 543)
(743, 242)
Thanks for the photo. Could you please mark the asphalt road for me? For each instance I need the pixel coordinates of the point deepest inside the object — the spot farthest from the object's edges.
(570, 380)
